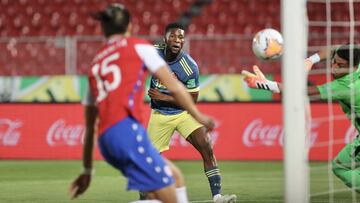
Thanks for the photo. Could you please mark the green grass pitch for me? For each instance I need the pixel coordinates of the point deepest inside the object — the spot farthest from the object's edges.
(48, 181)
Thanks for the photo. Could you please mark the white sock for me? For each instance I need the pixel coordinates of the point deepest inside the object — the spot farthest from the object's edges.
(147, 201)
(181, 195)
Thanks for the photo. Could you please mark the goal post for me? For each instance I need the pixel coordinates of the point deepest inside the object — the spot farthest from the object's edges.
(294, 98)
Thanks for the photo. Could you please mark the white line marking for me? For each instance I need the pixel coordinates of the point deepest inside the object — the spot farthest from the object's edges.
(328, 192)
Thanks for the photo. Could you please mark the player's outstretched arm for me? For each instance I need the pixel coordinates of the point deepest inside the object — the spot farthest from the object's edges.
(82, 182)
(182, 97)
(317, 57)
(257, 80)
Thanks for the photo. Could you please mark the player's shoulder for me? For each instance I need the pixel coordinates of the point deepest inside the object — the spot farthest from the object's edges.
(160, 46)
(137, 40)
(189, 60)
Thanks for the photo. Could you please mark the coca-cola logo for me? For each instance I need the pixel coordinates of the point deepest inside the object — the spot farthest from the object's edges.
(9, 131)
(259, 134)
(60, 133)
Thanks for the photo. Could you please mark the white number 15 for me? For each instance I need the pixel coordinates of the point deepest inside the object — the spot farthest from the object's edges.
(104, 86)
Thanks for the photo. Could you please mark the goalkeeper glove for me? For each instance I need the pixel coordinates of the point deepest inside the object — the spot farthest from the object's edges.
(258, 80)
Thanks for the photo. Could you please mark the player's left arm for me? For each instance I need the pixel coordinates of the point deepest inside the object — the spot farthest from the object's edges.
(321, 55)
(257, 80)
(82, 182)
(91, 113)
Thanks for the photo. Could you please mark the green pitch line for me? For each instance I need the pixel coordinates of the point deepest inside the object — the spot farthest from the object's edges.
(48, 181)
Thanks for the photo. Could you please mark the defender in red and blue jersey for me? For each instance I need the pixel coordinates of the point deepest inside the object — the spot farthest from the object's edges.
(116, 80)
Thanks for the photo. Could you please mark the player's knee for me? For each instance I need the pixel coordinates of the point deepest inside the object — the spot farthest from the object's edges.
(341, 172)
(177, 175)
(166, 194)
(203, 145)
(335, 167)
(207, 152)
(208, 146)
(179, 179)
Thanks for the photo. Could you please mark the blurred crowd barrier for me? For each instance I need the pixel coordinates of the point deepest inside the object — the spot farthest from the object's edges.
(71, 89)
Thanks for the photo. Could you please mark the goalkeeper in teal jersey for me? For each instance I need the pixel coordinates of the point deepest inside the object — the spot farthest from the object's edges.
(344, 88)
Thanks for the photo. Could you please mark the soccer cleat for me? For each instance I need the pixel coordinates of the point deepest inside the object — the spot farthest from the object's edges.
(225, 198)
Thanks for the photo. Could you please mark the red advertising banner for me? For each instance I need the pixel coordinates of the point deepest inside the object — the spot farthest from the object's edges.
(245, 131)
(41, 131)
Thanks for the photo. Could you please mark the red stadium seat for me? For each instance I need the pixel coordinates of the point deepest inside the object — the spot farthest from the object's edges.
(27, 18)
(66, 23)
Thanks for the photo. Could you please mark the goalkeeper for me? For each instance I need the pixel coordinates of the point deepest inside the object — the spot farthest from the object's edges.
(344, 88)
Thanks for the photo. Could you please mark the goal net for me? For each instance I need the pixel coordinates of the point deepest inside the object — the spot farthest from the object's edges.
(329, 23)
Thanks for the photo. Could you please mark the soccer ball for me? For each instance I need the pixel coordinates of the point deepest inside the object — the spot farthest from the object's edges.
(268, 44)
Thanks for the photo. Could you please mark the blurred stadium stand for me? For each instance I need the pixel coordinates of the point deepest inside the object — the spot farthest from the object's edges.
(47, 37)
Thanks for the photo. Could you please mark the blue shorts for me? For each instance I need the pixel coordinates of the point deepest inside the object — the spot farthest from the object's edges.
(127, 147)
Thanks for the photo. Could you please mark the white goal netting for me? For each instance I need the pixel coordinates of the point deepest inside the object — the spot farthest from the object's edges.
(330, 23)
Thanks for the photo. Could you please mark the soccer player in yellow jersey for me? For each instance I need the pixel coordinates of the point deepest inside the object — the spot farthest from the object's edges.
(167, 116)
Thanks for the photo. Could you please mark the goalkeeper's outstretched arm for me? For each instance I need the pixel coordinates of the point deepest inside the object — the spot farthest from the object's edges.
(319, 56)
(257, 80)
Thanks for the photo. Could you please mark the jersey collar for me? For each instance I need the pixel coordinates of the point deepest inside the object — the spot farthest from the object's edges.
(178, 57)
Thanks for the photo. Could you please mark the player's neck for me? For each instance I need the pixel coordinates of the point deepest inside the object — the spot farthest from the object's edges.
(170, 57)
(115, 37)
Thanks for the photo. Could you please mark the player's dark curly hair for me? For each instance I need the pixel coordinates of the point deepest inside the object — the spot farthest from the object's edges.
(114, 19)
(171, 26)
(344, 52)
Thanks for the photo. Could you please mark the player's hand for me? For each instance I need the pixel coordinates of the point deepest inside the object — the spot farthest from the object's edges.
(254, 80)
(79, 186)
(308, 64)
(157, 95)
(315, 58)
(257, 80)
(206, 121)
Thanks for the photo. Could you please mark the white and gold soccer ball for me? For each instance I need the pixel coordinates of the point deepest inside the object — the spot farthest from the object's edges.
(268, 44)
